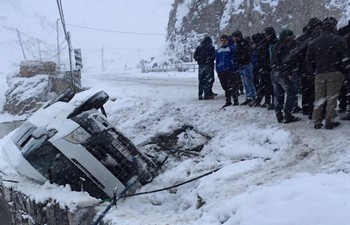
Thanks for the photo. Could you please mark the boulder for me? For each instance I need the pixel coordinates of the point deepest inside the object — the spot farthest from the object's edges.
(31, 68)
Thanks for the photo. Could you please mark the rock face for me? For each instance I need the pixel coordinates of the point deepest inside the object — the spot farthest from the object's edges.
(37, 82)
(31, 68)
(21, 210)
(24, 93)
(191, 20)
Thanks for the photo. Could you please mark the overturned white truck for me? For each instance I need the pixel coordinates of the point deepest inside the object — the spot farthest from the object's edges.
(77, 145)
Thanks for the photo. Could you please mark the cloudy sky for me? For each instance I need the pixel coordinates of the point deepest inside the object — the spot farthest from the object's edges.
(111, 34)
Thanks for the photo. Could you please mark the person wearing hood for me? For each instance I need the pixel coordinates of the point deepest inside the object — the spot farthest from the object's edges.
(265, 89)
(282, 78)
(205, 57)
(257, 39)
(344, 94)
(245, 66)
(311, 31)
(326, 57)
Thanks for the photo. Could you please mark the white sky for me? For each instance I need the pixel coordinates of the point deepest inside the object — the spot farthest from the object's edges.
(120, 32)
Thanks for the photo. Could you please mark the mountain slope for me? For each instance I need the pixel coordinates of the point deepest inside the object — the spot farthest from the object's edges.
(190, 20)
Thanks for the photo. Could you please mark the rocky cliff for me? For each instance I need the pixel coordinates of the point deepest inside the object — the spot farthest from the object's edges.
(191, 20)
(20, 209)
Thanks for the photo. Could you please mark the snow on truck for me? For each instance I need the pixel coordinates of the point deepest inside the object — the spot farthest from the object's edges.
(77, 145)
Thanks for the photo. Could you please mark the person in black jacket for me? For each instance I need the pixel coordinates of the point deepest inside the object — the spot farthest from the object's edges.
(243, 56)
(265, 84)
(282, 77)
(205, 57)
(326, 57)
(344, 94)
(257, 39)
(312, 30)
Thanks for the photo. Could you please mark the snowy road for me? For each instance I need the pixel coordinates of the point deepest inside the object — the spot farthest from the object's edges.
(7, 127)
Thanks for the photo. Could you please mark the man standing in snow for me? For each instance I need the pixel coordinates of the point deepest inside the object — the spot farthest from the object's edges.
(282, 77)
(245, 66)
(344, 94)
(205, 56)
(226, 69)
(265, 89)
(312, 30)
(326, 57)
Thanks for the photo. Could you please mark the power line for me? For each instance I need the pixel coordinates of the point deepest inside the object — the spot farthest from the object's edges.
(36, 39)
(113, 31)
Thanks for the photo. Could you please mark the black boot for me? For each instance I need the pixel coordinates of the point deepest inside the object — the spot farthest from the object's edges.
(255, 102)
(289, 118)
(227, 104)
(332, 125)
(246, 102)
(347, 117)
(235, 101)
(279, 116)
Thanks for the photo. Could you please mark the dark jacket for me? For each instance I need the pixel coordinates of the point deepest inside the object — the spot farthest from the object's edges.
(205, 52)
(254, 59)
(326, 54)
(298, 54)
(243, 53)
(225, 58)
(264, 50)
(345, 32)
(265, 54)
(278, 54)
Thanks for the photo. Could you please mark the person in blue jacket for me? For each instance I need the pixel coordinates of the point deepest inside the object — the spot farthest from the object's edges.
(226, 69)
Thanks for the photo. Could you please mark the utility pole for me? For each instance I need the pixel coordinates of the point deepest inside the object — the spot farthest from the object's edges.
(70, 55)
(67, 35)
(39, 48)
(20, 42)
(58, 47)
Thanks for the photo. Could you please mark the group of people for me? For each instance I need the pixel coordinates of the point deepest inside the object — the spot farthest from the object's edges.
(277, 68)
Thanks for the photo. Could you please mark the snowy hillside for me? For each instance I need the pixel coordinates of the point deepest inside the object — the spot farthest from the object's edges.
(269, 173)
(190, 20)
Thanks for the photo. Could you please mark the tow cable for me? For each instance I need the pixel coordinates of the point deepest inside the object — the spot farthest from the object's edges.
(6, 180)
(122, 195)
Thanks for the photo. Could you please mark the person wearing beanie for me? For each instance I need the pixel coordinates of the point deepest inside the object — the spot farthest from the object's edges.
(326, 57)
(245, 66)
(205, 57)
(312, 24)
(282, 78)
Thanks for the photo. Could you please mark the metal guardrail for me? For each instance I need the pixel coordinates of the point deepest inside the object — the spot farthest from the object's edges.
(185, 67)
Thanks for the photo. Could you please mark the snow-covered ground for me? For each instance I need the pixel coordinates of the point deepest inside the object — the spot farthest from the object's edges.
(270, 173)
